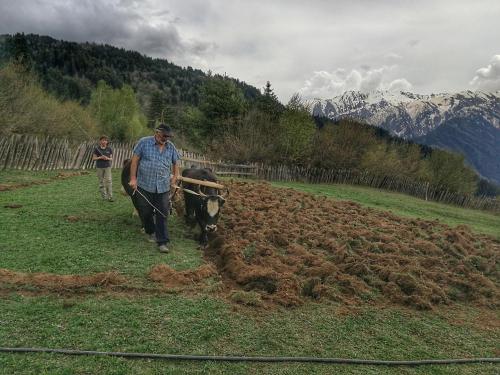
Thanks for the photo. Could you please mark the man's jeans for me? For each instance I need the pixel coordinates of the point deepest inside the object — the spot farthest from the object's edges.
(105, 182)
(154, 221)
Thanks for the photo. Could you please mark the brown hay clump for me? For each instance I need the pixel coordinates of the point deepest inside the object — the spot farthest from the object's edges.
(171, 278)
(60, 282)
(290, 246)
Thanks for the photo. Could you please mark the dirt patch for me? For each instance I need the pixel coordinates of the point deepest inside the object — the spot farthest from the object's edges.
(56, 282)
(290, 246)
(59, 176)
(65, 175)
(7, 187)
(13, 205)
(481, 319)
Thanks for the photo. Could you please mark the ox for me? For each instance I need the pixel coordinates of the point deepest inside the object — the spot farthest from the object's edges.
(202, 203)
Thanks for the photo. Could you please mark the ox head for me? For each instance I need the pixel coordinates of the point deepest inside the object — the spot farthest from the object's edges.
(211, 205)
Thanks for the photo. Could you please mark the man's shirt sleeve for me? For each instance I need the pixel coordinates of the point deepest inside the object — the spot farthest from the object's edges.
(138, 149)
(175, 156)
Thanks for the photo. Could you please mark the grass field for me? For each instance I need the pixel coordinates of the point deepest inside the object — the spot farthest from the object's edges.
(64, 228)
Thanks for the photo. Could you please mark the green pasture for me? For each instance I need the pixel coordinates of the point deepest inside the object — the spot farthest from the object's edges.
(63, 227)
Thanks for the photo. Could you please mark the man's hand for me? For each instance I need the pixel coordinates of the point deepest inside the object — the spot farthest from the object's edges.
(133, 183)
(173, 180)
(134, 162)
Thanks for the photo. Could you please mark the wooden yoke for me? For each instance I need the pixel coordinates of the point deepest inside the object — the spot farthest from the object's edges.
(200, 182)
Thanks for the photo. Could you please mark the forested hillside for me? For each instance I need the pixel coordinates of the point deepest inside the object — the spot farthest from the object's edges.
(71, 70)
(80, 91)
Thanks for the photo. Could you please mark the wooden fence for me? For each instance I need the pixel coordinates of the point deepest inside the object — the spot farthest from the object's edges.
(221, 168)
(36, 153)
(33, 153)
(82, 158)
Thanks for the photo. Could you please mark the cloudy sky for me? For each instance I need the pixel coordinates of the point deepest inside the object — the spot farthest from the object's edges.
(319, 48)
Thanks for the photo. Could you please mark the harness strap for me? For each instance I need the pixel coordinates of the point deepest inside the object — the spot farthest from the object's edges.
(189, 191)
(151, 204)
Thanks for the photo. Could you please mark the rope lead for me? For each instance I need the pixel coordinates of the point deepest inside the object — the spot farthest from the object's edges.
(180, 357)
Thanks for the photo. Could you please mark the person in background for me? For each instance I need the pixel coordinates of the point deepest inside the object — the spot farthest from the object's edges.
(103, 155)
(153, 162)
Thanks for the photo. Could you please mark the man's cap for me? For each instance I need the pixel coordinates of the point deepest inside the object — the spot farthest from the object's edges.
(165, 129)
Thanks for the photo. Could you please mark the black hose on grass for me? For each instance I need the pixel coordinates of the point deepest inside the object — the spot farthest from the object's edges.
(180, 357)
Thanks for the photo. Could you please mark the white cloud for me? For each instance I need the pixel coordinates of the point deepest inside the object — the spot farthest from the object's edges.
(488, 78)
(125, 23)
(392, 56)
(400, 84)
(325, 84)
(285, 41)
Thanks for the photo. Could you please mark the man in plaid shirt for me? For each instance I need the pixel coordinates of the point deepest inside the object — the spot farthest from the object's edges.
(153, 161)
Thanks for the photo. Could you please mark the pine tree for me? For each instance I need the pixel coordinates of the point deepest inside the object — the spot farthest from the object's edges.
(156, 107)
(221, 101)
(296, 131)
(269, 103)
(20, 51)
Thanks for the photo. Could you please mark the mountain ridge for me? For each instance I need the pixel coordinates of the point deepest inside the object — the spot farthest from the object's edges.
(467, 122)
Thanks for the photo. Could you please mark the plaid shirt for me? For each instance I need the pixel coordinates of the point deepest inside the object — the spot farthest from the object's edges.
(153, 173)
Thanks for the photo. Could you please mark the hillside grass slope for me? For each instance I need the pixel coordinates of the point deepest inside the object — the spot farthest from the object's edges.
(57, 232)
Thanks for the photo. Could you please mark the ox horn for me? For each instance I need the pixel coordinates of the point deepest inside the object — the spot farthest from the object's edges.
(200, 192)
(225, 195)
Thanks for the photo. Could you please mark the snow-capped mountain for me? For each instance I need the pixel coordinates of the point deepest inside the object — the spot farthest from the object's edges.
(467, 122)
